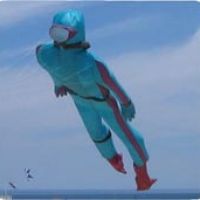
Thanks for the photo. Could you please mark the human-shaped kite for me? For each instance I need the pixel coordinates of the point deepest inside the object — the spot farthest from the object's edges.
(95, 91)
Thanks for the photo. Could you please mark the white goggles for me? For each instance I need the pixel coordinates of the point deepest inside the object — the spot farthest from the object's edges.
(60, 33)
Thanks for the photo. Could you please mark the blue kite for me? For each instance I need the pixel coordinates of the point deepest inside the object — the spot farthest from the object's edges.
(95, 91)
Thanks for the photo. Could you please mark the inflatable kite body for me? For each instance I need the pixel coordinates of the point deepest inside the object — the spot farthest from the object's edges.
(95, 92)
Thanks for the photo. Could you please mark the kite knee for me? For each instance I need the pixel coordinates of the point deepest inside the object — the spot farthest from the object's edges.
(107, 137)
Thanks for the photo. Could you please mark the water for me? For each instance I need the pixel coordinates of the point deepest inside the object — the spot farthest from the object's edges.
(98, 194)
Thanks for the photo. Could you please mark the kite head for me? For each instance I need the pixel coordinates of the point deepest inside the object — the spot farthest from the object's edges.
(68, 27)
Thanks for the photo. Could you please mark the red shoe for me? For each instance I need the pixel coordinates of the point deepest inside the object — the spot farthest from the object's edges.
(117, 162)
(143, 181)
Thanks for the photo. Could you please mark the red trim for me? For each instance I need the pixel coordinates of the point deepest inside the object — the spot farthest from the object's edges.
(72, 32)
(113, 104)
(110, 82)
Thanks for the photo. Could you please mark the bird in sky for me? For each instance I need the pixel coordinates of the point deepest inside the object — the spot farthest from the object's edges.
(28, 174)
(12, 185)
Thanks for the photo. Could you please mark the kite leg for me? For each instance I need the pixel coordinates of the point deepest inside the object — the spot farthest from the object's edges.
(98, 132)
(132, 140)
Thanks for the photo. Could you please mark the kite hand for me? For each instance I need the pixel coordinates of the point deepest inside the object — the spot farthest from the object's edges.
(128, 110)
(61, 91)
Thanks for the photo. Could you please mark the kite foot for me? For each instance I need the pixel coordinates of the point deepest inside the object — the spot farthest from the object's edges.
(143, 181)
(117, 163)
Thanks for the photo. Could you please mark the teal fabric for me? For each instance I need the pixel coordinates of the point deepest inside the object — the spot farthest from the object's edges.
(77, 69)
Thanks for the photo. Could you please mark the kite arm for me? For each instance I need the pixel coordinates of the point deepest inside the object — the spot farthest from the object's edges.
(127, 106)
(111, 82)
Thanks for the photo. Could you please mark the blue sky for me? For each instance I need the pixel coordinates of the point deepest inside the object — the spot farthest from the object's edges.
(153, 50)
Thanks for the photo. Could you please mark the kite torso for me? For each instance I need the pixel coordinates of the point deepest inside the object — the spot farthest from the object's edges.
(76, 69)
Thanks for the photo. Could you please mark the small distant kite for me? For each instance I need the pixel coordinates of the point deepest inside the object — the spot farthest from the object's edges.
(12, 185)
(28, 174)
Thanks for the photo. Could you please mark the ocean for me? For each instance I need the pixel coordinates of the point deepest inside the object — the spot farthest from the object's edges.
(97, 194)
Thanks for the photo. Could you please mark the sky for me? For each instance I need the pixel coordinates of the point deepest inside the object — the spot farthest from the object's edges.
(151, 47)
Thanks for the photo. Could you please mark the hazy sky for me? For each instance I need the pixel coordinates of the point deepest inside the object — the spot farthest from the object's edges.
(153, 49)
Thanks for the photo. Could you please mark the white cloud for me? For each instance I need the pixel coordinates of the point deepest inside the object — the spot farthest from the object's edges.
(125, 25)
(164, 83)
(13, 12)
(16, 11)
